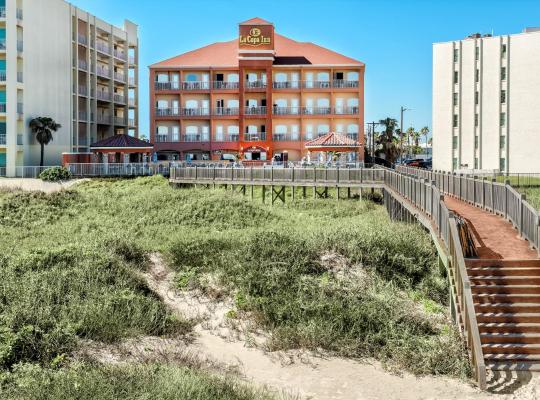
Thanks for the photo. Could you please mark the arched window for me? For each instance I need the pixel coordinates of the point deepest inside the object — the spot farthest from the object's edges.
(280, 129)
(192, 104)
(192, 130)
(280, 77)
(352, 76)
(191, 78)
(352, 129)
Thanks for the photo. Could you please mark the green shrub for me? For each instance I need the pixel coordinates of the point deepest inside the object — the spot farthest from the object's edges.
(55, 174)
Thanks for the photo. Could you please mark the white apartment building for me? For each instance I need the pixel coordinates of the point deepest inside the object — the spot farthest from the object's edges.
(60, 62)
(486, 103)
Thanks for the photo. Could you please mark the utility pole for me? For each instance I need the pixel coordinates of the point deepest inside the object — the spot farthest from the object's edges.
(372, 125)
(403, 109)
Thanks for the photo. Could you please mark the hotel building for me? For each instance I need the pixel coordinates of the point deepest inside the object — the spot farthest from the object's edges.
(486, 103)
(256, 97)
(60, 62)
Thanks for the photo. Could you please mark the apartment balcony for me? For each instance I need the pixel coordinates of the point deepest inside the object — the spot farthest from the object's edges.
(164, 86)
(287, 110)
(104, 119)
(131, 81)
(20, 77)
(167, 137)
(286, 137)
(103, 72)
(119, 120)
(83, 90)
(118, 76)
(132, 60)
(20, 108)
(227, 138)
(3, 108)
(220, 85)
(317, 84)
(83, 116)
(132, 102)
(2, 44)
(255, 84)
(118, 98)
(120, 54)
(199, 137)
(132, 122)
(19, 13)
(2, 139)
(254, 137)
(346, 110)
(103, 95)
(195, 112)
(287, 85)
(255, 111)
(196, 85)
(82, 39)
(103, 48)
(3, 76)
(3, 14)
(343, 84)
(82, 64)
(317, 110)
(226, 111)
(167, 112)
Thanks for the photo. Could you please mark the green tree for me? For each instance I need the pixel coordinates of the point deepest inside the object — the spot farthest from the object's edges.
(388, 140)
(425, 133)
(43, 128)
(414, 137)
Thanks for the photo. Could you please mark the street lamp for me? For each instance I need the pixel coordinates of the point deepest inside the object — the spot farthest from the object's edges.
(403, 109)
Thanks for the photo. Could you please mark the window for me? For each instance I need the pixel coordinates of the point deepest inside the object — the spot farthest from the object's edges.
(456, 55)
(503, 73)
(477, 76)
(323, 129)
(456, 77)
(191, 78)
(454, 163)
(353, 76)
(309, 132)
(476, 119)
(455, 122)
(503, 96)
(503, 51)
(502, 142)
(454, 142)
(476, 98)
(280, 77)
(162, 78)
(477, 53)
(502, 164)
(456, 99)
(323, 77)
(233, 78)
(192, 104)
(339, 128)
(476, 142)
(476, 163)
(502, 119)
(219, 133)
(281, 129)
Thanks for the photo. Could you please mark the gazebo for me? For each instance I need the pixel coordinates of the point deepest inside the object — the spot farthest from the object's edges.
(122, 149)
(334, 144)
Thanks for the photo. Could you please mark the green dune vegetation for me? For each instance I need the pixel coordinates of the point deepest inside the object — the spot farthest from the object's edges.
(337, 277)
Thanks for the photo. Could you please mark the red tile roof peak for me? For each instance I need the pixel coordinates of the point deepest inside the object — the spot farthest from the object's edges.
(256, 21)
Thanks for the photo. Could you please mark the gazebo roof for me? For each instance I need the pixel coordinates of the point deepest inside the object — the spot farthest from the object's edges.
(332, 142)
(123, 141)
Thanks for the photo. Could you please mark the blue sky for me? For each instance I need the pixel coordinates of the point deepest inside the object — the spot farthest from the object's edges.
(394, 38)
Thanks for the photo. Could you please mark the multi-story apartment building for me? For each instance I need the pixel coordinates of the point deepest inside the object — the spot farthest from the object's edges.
(259, 96)
(61, 62)
(486, 107)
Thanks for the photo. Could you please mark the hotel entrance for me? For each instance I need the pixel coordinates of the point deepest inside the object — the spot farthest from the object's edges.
(255, 154)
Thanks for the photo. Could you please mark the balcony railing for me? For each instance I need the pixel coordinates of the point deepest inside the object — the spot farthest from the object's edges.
(2, 139)
(195, 112)
(2, 44)
(83, 90)
(286, 137)
(119, 120)
(287, 110)
(83, 40)
(82, 65)
(131, 122)
(118, 98)
(120, 54)
(196, 85)
(255, 84)
(254, 137)
(346, 110)
(317, 110)
(83, 116)
(132, 102)
(287, 85)
(132, 60)
(340, 83)
(229, 137)
(103, 95)
(119, 76)
(20, 46)
(131, 81)
(226, 111)
(199, 137)
(255, 110)
(103, 72)
(168, 137)
(3, 76)
(167, 85)
(220, 85)
(20, 77)
(20, 108)
(3, 107)
(19, 13)
(317, 85)
(103, 47)
(167, 112)
(104, 119)
(3, 14)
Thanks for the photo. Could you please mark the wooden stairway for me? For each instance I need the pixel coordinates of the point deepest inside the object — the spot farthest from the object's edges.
(506, 296)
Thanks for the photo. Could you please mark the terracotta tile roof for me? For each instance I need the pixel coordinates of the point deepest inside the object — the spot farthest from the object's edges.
(332, 139)
(121, 141)
(225, 54)
(256, 21)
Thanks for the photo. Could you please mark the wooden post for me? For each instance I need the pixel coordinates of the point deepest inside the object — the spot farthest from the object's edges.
(304, 194)
(263, 194)
(337, 192)
(252, 192)
(293, 194)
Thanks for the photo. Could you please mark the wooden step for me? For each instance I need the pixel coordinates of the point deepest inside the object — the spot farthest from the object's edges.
(478, 263)
(505, 280)
(506, 298)
(511, 327)
(506, 289)
(508, 317)
(513, 338)
(511, 348)
(516, 357)
(503, 271)
(507, 307)
(533, 366)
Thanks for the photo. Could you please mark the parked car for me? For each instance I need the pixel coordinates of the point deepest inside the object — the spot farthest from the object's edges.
(414, 162)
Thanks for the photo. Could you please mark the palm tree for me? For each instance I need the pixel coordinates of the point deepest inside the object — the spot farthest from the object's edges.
(425, 132)
(43, 128)
(387, 139)
(411, 135)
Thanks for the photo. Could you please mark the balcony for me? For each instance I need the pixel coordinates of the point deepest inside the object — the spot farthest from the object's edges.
(83, 116)
(286, 110)
(82, 39)
(220, 85)
(255, 84)
(167, 86)
(195, 85)
(82, 65)
(118, 98)
(118, 76)
(286, 137)
(226, 111)
(104, 72)
(342, 84)
(83, 90)
(255, 110)
(195, 112)
(103, 95)
(3, 76)
(196, 137)
(132, 60)
(3, 14)
(19, 13)
(2, 44)
(317, 85)
(20, 46)
(120, 54)
(3, 108)
(132, 81)
(167, 112)
(287, 85)
(103, 48)
(132, 102)
(230, 137)
(171, 137)
(132, 122)
(346, 110)
(317, 110)
(254, 137)
(20, 108)
(2, 139)
(119, 120)
(20, 77)
(104, 119)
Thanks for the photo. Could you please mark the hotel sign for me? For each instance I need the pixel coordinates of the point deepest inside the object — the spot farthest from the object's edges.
(259, 36)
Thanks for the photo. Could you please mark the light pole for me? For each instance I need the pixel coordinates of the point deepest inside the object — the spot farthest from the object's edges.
(371, 129)
(403, 109)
